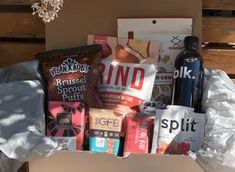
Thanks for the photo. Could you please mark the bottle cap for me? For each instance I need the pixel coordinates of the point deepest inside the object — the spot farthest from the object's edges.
(191, 42)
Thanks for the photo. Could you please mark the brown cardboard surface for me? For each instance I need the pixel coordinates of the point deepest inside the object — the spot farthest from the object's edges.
(65, 161)
(78, 18)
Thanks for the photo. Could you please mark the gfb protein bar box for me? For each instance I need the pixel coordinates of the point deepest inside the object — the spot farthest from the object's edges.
(170, 32)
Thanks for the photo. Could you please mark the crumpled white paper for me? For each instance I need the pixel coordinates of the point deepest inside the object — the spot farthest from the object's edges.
(218, 152)
(22, 118)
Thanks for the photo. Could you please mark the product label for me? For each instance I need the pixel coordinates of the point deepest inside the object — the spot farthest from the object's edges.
(189, 70)
(108, 145)
(69, 66)
(184, 72)
(66, 123)
(177, 126)
(70, 88)
(67, 143)
(179, 130)
(104, 119)
(105, 128)
(138, 134)
(164, 79)
(187, 82)
(123, 84)
(67, 80)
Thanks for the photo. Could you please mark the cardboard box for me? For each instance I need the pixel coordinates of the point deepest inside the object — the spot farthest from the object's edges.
(76, 20)
(92, 162)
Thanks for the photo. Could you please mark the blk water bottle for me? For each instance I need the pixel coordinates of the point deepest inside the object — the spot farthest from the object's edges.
(188, 76)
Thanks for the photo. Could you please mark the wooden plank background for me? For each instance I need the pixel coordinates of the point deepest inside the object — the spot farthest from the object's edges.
(21, 34)
(21, 25)
(218, 29)
(219, 4)
(16, 2)
(26, 33)
(219, 35)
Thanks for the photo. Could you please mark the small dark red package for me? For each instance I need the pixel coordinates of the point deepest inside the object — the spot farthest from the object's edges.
(139, 132)
(72, 74)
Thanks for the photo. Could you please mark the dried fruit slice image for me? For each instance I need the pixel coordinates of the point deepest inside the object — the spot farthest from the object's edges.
(140, 46)
(183, 148)
(162, 148)
(122, 55)
(167, 148)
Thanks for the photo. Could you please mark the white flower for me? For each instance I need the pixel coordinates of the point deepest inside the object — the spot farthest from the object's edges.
(47, 9)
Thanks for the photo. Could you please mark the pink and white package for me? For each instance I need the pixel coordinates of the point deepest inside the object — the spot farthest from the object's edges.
(124, 86)
(178, 130)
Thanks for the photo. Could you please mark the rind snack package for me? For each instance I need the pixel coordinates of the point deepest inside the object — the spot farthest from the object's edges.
(127, 50)
(105, 128)
(178, 130)
(72, 74)
(66, 124)
(124, 86)
(139, 132)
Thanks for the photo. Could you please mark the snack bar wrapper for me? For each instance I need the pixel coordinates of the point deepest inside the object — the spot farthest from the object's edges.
(139, 132)
(105, 128)
(178, 130)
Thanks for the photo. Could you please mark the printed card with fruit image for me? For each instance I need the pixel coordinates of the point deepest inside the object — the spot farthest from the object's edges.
(65, 123)
(127, 50)
(170, 32)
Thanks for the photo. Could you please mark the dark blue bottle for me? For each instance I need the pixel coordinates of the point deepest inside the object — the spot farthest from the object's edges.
(188, 76)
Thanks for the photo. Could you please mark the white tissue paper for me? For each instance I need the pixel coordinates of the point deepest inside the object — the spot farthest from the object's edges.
(218, 151)
(22, 118)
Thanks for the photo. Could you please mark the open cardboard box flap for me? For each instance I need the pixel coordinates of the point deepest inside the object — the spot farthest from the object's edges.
(65, 161)
(76, 20)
